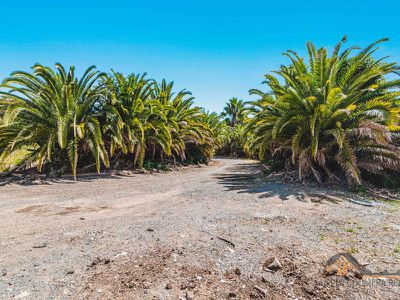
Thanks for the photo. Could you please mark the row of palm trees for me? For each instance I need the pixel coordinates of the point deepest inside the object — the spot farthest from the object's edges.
(56, 118)
(326, 115)
(330, 115)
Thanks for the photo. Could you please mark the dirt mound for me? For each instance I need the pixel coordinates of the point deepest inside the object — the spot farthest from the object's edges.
(160, 275)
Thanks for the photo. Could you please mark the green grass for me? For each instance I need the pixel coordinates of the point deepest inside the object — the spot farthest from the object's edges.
(352, 250)
(394, 204)
(265, 221)
(349, 229)
(150, 165)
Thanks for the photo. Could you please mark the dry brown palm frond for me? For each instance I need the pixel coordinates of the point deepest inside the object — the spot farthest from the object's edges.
(371, 166)
(306, 165)
(280, 149)
(371, 130)
(348, 161)
(320, 158)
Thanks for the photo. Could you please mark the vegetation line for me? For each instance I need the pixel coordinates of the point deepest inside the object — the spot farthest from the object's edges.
(327, 116)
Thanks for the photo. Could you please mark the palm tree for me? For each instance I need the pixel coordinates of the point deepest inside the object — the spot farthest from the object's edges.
(142, 116)
(235, 111)
(186, 121)
(216, 126)
(337, 111)
(53, 115)
(132, 118)
(235, 141)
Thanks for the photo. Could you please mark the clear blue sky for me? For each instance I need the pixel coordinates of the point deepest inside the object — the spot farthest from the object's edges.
(216, 49)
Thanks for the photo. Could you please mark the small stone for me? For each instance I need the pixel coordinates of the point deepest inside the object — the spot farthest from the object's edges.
(237, 271)
(146, 285)
(261, 290)
(231, 295)
(150, 229)
(22, 295)
(309, 291)
(272, 264)
(40, 245)
(95, 262)
(120, 254)
(106, 261)
(168, 286)
(396, 226)
(70, 272)
(189, 295)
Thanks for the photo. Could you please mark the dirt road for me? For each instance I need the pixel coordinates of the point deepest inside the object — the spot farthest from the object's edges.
(198, 233)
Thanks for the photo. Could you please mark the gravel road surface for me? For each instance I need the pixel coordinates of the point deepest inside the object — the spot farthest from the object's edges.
(198, 233)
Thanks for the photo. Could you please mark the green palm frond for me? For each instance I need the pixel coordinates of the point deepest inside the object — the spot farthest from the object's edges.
(328, 109)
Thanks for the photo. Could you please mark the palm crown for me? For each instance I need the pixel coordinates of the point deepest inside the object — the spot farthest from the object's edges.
(52, 113)
(335, 110)
(141, 114)
(235, 111)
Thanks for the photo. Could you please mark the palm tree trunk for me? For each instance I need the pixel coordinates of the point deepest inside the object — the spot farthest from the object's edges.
(154, 151)
(162, 156)
(142, 153)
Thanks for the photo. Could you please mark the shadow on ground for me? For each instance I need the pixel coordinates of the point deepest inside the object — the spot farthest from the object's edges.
(248, 178)
(43, 180)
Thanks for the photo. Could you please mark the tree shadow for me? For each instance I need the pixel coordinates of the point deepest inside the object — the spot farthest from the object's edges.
(249, 178)
(28, 180)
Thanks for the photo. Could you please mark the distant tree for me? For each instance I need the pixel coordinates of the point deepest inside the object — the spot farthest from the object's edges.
(235, 112)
